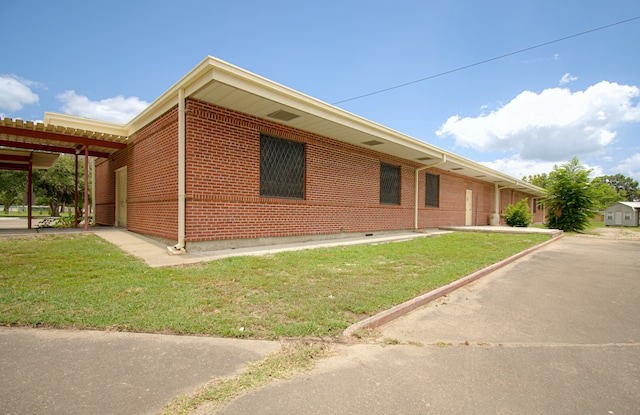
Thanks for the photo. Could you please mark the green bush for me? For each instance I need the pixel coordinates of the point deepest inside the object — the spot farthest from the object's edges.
(518, 214)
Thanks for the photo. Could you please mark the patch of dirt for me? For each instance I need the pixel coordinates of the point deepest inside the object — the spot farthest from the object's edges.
(616, 233)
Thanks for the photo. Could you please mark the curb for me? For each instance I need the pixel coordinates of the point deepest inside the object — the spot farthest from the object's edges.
(404, 308)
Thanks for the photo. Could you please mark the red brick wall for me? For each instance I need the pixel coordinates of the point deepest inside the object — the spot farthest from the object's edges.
(451, 211)
(223, 184)
(152, 180)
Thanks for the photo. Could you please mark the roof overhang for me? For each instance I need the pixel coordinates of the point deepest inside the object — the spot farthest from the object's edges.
(225, 85)
(220, 83)
(63, 134)
(19, 160)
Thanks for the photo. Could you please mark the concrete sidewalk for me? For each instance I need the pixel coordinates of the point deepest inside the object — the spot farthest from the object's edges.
(94, 372)
(556, 332)
(155, 253)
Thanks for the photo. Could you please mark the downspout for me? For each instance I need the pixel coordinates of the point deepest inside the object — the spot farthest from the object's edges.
(178, 249)
(418, 170)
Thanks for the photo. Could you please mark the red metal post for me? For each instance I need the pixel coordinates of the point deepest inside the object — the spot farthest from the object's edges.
(86, 188)
(75, 197)
(30, 192)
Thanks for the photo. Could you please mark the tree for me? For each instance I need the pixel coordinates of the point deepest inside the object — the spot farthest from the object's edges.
(604, 195)
(540, 180)
(626, 187)
(56, 185)
(570, 197)
(13, 185)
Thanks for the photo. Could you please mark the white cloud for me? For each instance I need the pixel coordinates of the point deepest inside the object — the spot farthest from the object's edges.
(567, 79)
(117, 109)
(518, 168)
(15, 93)
(553, 125)
(630, 167)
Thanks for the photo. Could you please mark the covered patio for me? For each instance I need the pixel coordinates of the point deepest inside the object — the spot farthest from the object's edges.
(29, 145)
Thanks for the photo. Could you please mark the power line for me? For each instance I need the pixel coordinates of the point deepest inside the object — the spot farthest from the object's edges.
(488, 60)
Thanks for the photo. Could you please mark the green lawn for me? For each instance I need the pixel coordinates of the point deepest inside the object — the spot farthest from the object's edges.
(81, 281)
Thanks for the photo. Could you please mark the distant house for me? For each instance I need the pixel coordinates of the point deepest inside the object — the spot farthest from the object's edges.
(622, 214)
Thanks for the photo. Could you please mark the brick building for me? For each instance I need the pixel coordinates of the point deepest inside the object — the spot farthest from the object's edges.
(226, 158)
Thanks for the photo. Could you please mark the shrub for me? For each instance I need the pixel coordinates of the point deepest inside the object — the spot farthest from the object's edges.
(518, 214)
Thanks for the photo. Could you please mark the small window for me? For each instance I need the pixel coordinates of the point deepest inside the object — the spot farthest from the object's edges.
(389, 184)
(282, 170)
(433, 190)
(609, 215)
(627, 215)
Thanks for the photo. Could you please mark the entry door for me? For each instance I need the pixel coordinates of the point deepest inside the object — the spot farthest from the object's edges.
(468, 209)
(121, 197)
(618, 220)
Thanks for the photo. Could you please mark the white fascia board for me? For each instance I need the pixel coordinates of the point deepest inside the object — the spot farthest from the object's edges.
(86, 124)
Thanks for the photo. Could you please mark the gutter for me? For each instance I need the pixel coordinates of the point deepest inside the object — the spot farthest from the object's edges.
(418, 170)
(178, 249)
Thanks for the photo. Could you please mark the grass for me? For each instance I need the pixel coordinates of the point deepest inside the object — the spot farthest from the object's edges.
(81, 281)
(294, 357)
(35, 213)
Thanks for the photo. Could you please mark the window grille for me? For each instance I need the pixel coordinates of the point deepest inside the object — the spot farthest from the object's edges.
(389, 184)
(282, 170)
(433, 190)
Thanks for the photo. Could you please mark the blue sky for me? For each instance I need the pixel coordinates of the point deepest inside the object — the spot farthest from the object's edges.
(520, 114)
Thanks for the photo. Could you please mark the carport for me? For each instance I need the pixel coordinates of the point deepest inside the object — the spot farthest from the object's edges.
(25, 145)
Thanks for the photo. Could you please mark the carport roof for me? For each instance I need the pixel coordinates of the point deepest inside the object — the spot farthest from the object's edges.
(102, 140)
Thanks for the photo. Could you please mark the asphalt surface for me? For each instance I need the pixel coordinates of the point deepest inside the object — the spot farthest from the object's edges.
(557, 331)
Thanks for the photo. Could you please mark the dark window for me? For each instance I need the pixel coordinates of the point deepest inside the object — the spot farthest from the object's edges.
(389, 184)
(281, 168)
(433, 190)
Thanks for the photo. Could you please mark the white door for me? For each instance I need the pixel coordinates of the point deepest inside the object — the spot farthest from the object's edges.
(121, 197)
(468, 208)
(618, 220)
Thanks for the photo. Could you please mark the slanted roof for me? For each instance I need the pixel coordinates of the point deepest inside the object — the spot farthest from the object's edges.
(634, 205)
(225, 85)
(67, 135)
(19, 160)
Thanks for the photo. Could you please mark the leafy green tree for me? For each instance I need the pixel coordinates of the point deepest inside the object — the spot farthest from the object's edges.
(540, 180)
(625, 186)
(13, 185)
(56, 185)
(604, 195)
(570, 197)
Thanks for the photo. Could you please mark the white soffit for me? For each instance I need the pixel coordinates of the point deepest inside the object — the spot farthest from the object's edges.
(250, 94)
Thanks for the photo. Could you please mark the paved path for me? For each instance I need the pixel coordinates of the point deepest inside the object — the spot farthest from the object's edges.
(93, 372)
(555, 332)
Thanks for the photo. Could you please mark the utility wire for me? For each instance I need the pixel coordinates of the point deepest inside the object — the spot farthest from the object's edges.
(488, 60)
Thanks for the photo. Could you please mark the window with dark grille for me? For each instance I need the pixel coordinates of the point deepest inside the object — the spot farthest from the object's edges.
(433, 190)
(389, 184)
(281, 168)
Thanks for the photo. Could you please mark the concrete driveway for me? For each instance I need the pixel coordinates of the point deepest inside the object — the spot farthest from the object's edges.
(555, 332)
